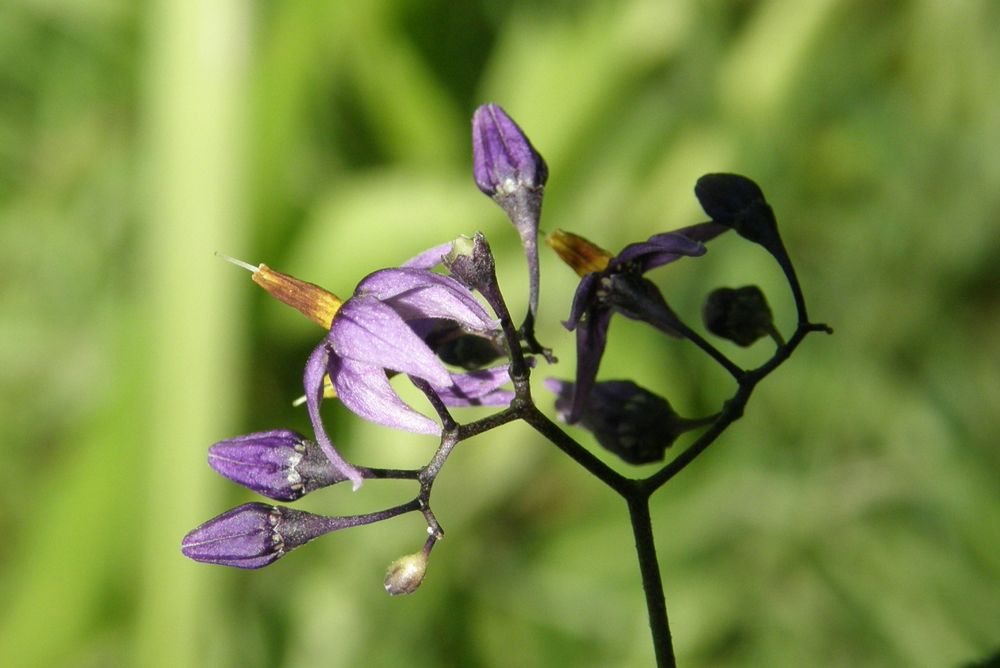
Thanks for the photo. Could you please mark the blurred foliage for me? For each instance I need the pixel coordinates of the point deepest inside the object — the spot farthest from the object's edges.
(850, 519)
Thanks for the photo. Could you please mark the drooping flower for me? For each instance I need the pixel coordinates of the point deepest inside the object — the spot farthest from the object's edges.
(380, 329)
(508, 169)
(629, 420)
(615, 284)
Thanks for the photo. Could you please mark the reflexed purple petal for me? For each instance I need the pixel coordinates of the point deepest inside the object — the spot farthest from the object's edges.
(316, 368)
(477, 388)
(368, 331)
(431, 257)
(582, 299)
(417, 293)
(591, 339)
(703, 232)
(365, 390)
(658, 251)
(638, 298)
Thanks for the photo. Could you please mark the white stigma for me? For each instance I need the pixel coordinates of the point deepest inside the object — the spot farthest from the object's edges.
(239, 263)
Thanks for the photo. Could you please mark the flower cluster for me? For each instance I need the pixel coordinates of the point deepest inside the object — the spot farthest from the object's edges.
(441, 321)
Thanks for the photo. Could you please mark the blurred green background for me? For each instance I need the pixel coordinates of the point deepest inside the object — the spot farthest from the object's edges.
(850, 519)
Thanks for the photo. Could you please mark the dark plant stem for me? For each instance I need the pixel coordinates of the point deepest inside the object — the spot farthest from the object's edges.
(652, 584)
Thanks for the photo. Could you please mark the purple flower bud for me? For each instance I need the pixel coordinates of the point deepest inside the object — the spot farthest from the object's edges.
(625, 418)
(279, 464)
(254, 535)
(508, 168)
(503, 158)
(737, 202)
(741, 315)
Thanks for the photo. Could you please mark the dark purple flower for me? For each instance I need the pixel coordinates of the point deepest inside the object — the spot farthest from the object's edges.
(508, 168)
(278, 464)
(629, 420)
(621, 288)
(380, 329)
(255, 534)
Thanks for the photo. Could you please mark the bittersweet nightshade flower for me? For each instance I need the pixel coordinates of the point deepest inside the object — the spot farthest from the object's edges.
(279, 464)
(741, 315)
(621, 288)
(629, 420)
(375, 331)
(255, 534)
(508, 169)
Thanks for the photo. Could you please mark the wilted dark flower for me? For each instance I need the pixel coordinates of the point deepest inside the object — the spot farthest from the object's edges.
(278, 464)
(629, 420)
(620, 287)
(741, 315)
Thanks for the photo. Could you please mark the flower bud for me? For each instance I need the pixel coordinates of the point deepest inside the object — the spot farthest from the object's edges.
(625, 418)
(737, 202)
(741, 315)
(278, 464)
(508, 168)
(582, 255)
(503, 158)
(254, 535)
(406, 573)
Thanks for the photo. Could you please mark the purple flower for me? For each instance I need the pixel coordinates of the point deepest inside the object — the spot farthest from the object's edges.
(278, 464)
(381, 328)
(507, 168)
(625, 418)
(621, 288)
(255, 534)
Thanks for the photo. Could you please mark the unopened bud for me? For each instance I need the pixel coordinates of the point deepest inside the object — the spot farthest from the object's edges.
(278, 464)
(738, 202)
(503, 158)
(405, 574)
(741, 315)
(254, 535)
